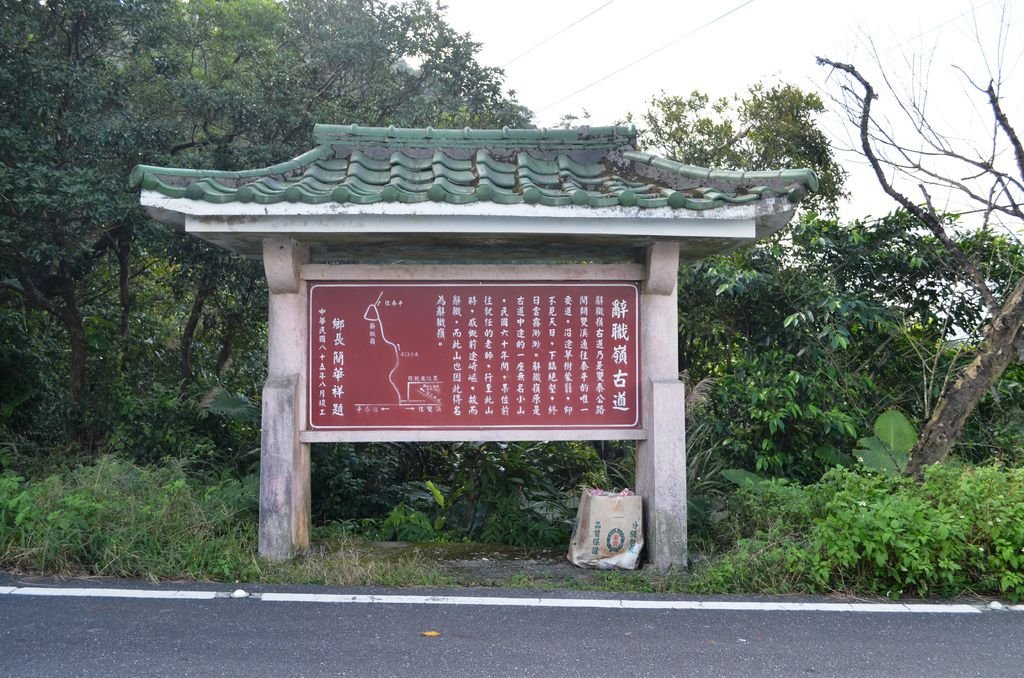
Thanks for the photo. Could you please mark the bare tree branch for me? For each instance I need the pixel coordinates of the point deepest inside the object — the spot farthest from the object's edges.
(927, 217)
(978, 173)
(1004, 125)
(31, 293)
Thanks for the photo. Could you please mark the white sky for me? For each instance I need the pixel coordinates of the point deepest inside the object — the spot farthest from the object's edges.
(762, 40)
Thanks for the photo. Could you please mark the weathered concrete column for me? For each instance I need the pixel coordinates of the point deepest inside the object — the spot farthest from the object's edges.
(661, 458)
(284, 460)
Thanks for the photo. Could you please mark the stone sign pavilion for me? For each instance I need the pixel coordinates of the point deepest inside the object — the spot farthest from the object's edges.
(473, 285)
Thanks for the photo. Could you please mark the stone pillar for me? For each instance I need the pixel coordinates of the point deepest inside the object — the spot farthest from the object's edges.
(661, 458)
(284, 460)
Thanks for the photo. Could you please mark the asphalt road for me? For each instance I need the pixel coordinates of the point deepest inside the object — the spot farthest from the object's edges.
(103, 636)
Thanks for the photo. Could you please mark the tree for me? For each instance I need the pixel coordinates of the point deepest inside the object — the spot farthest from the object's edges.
(811, 334)
(245, 81)
(89, 88)
(63, 207)
(767, 128)
(990, 180)
(762, 411)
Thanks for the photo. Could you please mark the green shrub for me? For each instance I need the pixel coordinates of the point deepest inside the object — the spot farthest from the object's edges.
(212, 427)
(406, 524)
(989, 502)
(959, 531)
(518, 494)
(517, 520)
(764, 538)
(111, 518)
(879, 533)
(350, 482)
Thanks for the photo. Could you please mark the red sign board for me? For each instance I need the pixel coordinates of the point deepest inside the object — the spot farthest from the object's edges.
(488, 355)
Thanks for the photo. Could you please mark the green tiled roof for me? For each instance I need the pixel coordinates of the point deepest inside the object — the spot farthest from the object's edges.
(588, 166)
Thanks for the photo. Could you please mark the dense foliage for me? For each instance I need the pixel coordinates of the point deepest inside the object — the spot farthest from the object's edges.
(116, 331)
(521, 494)
(959, 531)
(810, 336)
(111, 518)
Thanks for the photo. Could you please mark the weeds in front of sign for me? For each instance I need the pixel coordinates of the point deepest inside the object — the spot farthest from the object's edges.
(505, 493)
(406, 524)
(342, 560)
(960, 530)
(112, 518)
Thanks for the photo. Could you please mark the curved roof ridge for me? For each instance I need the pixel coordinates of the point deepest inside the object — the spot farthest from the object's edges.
(608, 137)
(145, 175)
(792, 176)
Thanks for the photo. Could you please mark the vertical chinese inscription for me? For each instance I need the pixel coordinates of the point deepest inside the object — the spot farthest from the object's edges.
(329, 376)
(474, 355)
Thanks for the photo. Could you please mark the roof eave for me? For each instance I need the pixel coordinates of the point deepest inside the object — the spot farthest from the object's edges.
(166, 207)
(240, 226)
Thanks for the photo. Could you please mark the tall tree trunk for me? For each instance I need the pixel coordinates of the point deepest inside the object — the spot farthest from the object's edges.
(189, 333)
(227, 344)
(961, 397)
(124, 248)
(71, 318)
(234, 321)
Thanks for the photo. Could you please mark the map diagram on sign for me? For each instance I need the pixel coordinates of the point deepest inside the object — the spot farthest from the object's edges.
(407, 391)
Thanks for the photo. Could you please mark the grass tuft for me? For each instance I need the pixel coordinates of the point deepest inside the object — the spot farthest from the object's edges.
(112, 518)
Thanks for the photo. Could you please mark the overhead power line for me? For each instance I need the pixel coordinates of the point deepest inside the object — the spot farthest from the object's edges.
(648, 55)
(972, 10)
(557, 33)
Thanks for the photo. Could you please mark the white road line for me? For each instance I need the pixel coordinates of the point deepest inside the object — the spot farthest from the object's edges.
(111, 593)
(619, 604)
(499, 601)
